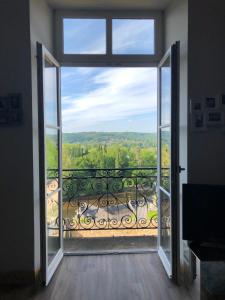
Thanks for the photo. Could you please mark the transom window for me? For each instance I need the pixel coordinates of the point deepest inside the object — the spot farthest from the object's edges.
(84, 36)
(108, 38)
(133, 36)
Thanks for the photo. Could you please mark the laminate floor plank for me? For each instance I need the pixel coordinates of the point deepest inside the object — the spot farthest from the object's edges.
(105, 277)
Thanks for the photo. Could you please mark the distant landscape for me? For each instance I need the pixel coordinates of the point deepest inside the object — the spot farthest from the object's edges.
(147, 139)
(109, 149)
(106, 150)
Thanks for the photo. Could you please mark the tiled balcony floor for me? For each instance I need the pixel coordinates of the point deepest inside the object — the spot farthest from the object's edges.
(90, 246)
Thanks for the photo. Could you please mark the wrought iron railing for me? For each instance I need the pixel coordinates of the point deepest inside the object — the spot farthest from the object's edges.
(109, 199)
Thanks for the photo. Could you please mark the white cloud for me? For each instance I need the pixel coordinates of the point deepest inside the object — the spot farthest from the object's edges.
(120, 93)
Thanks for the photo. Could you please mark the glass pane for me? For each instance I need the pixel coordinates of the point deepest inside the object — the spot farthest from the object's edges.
(165, 225)
(50, 94)
(165, 92)
(52, 159)
(84, 36)
(132, 36)
(165, 158)
(53, 232)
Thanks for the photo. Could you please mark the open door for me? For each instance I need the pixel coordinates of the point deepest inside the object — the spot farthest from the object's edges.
(168, 160)
(50, 161)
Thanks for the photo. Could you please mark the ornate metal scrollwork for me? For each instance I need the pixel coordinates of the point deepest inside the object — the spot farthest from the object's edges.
(106, 199)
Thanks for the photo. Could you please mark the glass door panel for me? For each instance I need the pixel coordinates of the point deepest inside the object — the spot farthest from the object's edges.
(165, 91)
(165, 225)
(50, 93)
(50, 162)
(53, 232)
(168, 160)
(165, 155)
(52, 159)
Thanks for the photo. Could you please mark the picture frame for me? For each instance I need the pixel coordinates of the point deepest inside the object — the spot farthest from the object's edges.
(214, 118)
(196, 106)
(222, 101)
(4, 119)
(15, 102)
(11, 110)
(211, 102)
(4, 104)
(198, 122)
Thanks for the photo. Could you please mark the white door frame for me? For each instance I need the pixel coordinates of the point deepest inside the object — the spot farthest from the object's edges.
(48, 269)
(173, 268)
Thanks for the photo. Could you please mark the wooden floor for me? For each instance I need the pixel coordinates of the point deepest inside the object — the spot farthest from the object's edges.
(106, 277)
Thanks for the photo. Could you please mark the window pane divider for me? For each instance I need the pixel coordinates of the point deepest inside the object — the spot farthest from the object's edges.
(165, 125)
(109, 36)
(164, 191)
(52, 126)
(49, 195)
(109, 59)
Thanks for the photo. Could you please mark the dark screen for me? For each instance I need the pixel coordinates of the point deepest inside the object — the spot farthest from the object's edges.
(203, 212)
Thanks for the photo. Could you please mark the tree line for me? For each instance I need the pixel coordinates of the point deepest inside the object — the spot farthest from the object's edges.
(110, 153)
(106, 150)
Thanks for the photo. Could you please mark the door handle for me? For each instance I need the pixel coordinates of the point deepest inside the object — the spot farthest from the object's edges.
(181, 169)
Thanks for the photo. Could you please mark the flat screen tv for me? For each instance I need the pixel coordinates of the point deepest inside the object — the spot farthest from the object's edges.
(203, 213)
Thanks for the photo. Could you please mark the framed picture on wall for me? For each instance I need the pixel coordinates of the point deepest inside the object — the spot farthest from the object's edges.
(211, 102)
(4, 119)
(11, 110)
(222, 101)
(4, 104)
(198, 122)
(196, 106)
(214, 118)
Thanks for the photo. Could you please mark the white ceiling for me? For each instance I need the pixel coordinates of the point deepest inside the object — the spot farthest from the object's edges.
(109, 4)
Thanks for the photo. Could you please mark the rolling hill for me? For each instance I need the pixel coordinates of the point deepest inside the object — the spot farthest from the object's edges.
(147, 139)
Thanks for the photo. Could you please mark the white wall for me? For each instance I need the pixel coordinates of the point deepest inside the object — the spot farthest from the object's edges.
(206, 66)
(176, 29)
(16, 159)
(206, 159)
(202, 24)
(20, 27)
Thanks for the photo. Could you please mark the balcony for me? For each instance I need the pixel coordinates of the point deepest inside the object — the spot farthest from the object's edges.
(109, 203)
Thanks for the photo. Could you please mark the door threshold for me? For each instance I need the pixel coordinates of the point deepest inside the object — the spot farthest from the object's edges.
(111, 252)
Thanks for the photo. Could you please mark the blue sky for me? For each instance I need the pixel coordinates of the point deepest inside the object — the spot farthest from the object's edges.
(88, 36)
(109, 99)
(130, 36)
(84, 36)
